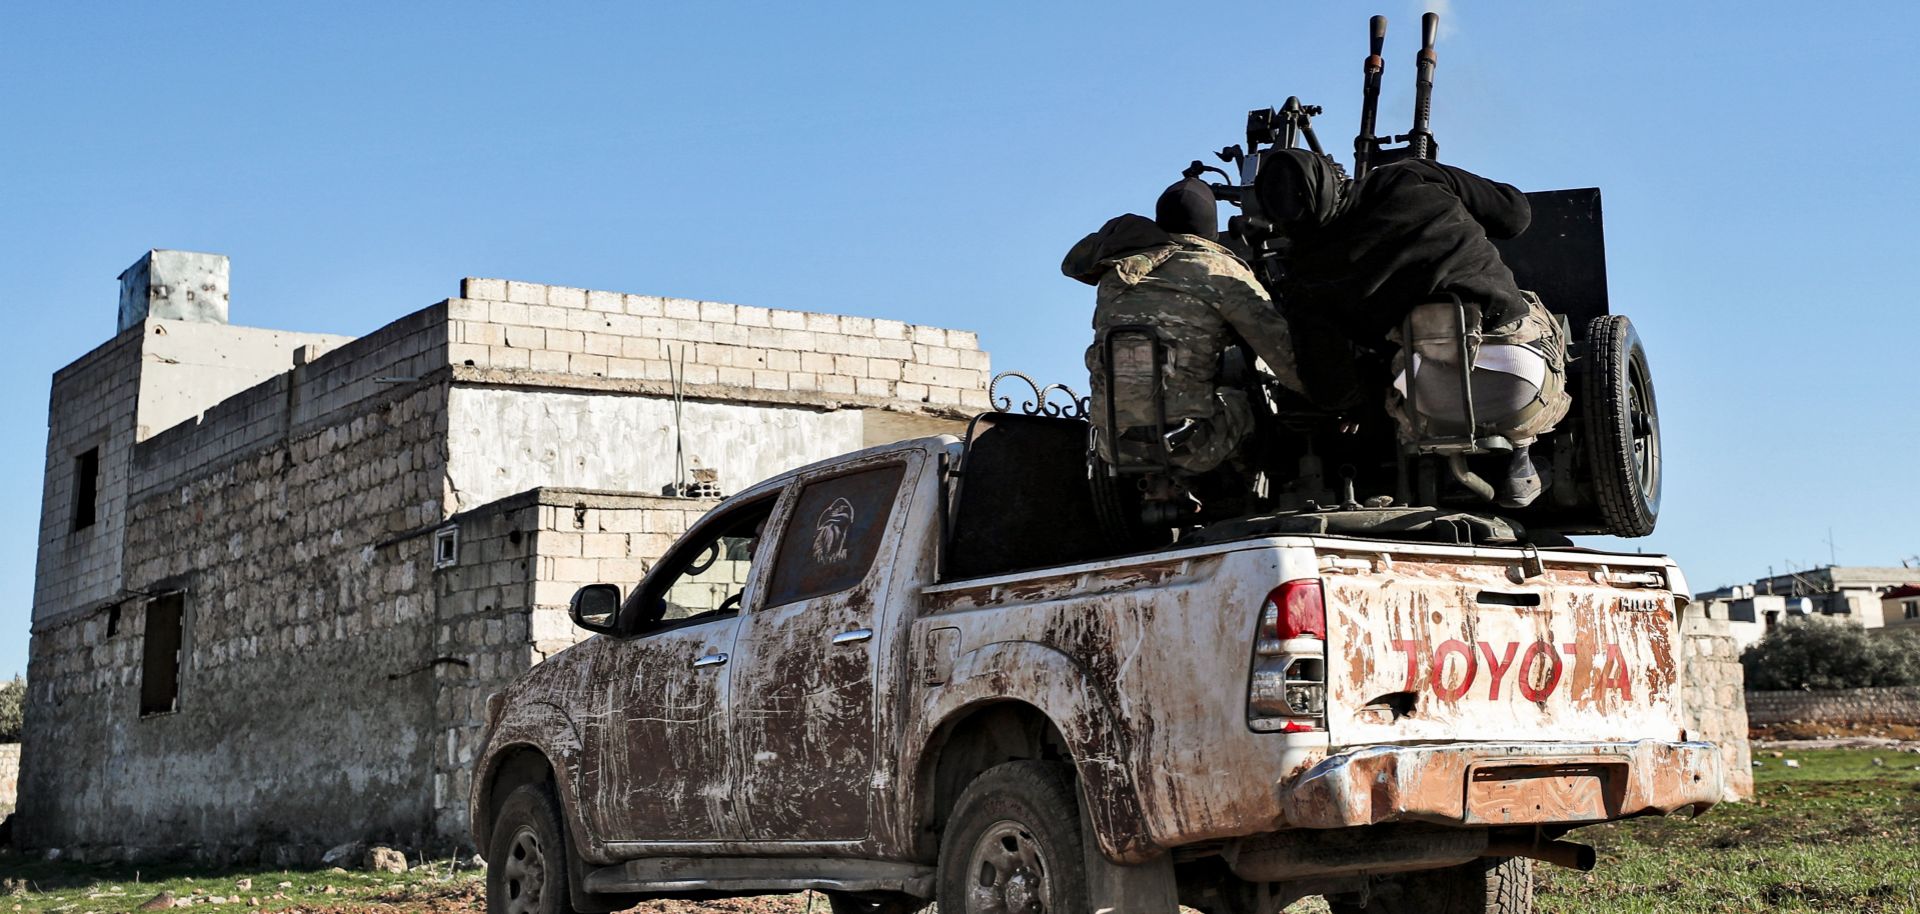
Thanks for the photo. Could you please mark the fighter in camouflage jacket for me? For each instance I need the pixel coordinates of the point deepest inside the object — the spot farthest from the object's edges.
(1197, 294)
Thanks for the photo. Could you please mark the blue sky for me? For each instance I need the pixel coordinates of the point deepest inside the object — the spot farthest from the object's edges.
(932, 163)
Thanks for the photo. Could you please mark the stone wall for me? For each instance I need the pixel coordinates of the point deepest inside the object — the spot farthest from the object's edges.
(333, 674)
(9, 775)
(1712, 698)
(146, 380)
(1899, 705)
(480, 612)
(305, 704)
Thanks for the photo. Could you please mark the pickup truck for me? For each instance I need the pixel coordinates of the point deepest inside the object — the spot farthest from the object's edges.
(920, 673)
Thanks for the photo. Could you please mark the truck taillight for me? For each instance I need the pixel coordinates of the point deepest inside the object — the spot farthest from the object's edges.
(1294, 610)
(1287, 691)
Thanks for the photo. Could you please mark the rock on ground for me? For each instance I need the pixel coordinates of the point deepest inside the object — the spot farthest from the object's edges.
(386, 860)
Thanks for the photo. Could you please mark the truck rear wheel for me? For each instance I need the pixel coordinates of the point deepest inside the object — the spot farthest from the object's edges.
(527, 862)
(1495, 885)
(1013, 844)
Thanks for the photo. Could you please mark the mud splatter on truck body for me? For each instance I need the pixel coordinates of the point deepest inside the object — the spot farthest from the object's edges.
(1240, 699)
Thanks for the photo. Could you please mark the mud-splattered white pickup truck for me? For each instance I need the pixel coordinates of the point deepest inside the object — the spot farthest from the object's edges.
(916, 673)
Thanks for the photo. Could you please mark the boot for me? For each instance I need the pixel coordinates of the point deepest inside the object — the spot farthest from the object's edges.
(1523, 483)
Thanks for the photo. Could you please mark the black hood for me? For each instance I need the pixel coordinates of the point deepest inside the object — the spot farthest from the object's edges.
(1298, 189)
(1189, 208)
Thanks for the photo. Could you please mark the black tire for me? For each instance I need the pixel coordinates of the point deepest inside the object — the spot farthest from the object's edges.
(1014, 836)
(1494, 885)
(1622, 425)
(874, 903)
(527, 859)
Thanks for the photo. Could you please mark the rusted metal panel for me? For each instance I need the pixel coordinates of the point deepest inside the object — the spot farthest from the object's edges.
(1436, 784)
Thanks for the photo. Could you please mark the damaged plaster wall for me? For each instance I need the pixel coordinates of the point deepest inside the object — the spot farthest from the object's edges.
(503, 441)
(189, 367)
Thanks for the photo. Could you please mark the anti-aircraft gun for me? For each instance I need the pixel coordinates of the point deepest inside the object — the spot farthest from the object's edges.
(1602, 462)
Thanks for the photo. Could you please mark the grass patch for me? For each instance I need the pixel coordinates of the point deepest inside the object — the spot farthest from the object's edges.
(40, 887)
(1837, 834)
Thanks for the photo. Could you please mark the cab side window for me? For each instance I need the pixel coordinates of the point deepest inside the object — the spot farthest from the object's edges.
(704, 577)
(833, 534)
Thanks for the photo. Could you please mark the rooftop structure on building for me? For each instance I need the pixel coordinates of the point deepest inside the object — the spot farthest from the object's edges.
(280, 571)
(1850, 593)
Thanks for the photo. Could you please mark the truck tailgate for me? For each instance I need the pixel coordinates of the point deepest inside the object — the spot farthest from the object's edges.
(1448, 644)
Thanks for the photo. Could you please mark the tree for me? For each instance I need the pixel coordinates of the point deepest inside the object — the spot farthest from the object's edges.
(13, 699)
(1821, 654)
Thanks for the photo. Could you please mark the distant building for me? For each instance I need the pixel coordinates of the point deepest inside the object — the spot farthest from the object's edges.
(1900, 607)
(1853, 593)
(280, 572)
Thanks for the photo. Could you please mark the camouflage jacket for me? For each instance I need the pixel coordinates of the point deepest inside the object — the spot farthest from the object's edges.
(1197, 294)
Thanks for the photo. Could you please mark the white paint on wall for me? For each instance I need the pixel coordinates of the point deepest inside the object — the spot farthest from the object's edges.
(501, 442)
(188, 368)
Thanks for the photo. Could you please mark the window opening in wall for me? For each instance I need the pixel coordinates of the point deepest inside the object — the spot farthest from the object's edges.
(113, 620)
(86, 488)
(446, 547)
(1912, 608)
(160, 656)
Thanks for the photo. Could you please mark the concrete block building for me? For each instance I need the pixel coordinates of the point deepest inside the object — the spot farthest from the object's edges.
(279, 572)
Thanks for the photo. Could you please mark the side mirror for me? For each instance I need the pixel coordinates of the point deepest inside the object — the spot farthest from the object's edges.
(596, 607)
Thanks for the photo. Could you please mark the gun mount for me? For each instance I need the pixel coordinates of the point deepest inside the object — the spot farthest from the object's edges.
(1603, 459)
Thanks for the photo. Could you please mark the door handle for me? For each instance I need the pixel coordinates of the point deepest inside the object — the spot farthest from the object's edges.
(853, 637)
(710, 660)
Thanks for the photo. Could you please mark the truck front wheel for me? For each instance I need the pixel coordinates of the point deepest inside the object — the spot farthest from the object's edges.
(1013, 844)
(527, 864)
(1495, 885)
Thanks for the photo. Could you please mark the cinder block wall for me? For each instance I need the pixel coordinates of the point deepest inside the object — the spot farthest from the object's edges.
(290, 515)
(1712, 696)
(503, 606)
(333, 680)
(92, 407)
(585, 380)
(730, 351)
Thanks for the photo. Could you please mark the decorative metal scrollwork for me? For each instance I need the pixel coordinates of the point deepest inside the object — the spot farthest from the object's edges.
(1045, 401)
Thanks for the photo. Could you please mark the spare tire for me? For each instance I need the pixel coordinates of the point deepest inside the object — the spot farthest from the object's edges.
(1622, 425)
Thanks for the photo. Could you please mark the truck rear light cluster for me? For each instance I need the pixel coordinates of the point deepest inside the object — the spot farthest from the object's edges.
(1287, 690)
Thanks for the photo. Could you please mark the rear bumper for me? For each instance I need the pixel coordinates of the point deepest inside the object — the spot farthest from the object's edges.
(1504, 783)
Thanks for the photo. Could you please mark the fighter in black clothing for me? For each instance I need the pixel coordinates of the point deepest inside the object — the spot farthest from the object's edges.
(1363, 255)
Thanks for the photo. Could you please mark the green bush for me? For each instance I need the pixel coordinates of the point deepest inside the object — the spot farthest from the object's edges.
(13, 698)
(1821, 654)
